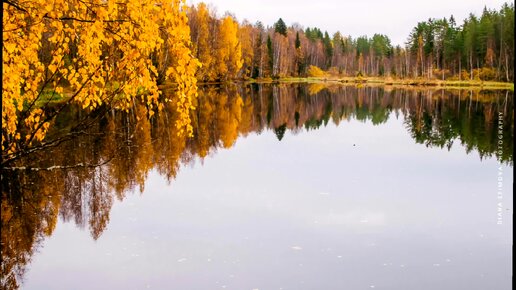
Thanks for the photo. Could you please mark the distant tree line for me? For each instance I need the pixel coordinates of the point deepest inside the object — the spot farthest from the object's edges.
(481, 48)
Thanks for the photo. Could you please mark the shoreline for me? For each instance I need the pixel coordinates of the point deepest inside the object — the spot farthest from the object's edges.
(376, 81)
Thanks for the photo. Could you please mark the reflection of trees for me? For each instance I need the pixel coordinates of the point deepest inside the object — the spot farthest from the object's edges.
(28, 215)
(433, 117)
(129, 145)
(280, 131)
(469, 117)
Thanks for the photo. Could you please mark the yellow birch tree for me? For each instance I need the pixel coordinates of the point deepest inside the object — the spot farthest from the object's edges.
(90, 53)
(229, 49)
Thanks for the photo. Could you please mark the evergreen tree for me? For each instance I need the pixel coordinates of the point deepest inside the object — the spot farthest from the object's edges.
(328, 48)
(270, 53)
(280, 27)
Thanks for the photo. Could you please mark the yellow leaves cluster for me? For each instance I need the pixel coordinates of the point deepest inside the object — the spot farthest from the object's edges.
(199, 18)
(98, 52)
(246, 40)
(22, 71)
(216, 44)
(35, 123)
(184, 66)
(230, 51)
(315, 71)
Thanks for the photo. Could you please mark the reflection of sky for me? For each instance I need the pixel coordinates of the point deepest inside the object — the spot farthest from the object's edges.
(309, 212)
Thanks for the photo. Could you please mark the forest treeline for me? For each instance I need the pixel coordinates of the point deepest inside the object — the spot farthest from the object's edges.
(481, 48)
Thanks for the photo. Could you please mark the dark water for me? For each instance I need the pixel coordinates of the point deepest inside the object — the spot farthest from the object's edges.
(282, 187)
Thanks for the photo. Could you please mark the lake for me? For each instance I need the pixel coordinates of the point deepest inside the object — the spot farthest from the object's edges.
(283, 186)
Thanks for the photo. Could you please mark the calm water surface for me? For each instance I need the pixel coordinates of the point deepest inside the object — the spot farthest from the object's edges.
(282, 187)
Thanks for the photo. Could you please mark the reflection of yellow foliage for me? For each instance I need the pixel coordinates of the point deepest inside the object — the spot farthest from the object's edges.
(29, 214)
(314, 88)
(246, 121)
(228, 118)
(143, 130)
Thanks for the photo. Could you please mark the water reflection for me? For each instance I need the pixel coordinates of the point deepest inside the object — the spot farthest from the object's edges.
(115, 154)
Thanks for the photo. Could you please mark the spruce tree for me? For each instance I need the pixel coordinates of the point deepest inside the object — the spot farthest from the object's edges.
(280, 27)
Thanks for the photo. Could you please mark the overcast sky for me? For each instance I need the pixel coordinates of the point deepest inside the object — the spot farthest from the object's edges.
(395, 18)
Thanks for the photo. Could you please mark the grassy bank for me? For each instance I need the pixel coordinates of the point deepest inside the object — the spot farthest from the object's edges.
(477, 84)
(50, 97)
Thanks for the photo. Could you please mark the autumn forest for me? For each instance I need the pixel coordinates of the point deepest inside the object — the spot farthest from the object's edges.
(482, 47)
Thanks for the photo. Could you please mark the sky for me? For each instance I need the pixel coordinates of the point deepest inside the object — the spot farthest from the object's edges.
(394, 18)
